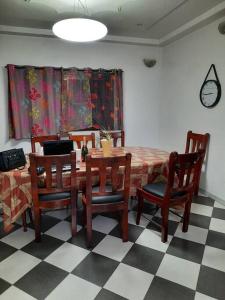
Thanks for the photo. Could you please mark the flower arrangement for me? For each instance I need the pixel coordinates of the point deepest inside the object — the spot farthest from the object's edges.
(106, 142)
(104, 134)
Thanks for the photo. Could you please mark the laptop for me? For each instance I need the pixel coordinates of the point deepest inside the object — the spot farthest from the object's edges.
(58, 148)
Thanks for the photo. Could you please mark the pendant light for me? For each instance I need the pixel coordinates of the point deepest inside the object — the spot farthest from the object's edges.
(80, 29)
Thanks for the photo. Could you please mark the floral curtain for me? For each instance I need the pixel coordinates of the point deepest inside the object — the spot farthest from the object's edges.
(76, 102)
(106, 99)
(47, 100)
(34, 101)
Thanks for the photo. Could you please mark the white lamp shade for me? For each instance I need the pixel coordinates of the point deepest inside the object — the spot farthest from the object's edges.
(79, 30)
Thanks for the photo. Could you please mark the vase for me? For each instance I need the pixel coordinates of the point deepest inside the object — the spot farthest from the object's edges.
(107, 147)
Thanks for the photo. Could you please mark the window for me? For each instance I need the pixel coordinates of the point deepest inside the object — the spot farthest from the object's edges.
(47, 100)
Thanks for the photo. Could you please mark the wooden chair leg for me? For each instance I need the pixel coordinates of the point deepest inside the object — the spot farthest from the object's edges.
(140, 207)
(186, 216)
(24, 221)
(197, 183)
(197, 186)
(30, 216)
(89, 227)
(74, 216)
(165, 214)
(124, 224)
(84, 216)
(37, 224)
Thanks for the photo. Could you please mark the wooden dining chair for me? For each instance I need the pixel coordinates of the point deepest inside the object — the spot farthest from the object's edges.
(116, 136)
(79, 139)
(41, 139)
(195, 142)
(179, 189)
(56, 192)
(112, 192)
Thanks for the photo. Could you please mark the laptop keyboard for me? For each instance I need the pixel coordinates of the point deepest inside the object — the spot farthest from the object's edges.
(65, 168)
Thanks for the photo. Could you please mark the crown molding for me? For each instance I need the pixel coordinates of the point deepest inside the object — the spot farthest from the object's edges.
(208, 17)
(204, 19)
(27, 31)
(131, 40)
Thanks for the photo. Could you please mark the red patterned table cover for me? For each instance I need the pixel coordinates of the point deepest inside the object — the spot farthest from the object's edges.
(147, 164)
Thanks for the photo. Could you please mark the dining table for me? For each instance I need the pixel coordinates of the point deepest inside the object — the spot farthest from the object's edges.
(147, 165)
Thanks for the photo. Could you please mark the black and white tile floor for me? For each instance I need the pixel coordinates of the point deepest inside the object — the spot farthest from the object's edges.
(189, 266)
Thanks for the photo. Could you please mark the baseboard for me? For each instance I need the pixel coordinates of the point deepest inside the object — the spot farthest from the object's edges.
(219, 200)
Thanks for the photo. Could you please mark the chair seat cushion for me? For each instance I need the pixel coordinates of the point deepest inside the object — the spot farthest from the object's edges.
(54, 196)
(158, 189)
(105, 199)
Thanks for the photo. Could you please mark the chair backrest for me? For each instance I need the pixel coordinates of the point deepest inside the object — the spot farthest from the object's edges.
(79, 139)
(41, 139)
(196, 141)
(113, 175)
(116, 135)
(53, 181)
(183, 172)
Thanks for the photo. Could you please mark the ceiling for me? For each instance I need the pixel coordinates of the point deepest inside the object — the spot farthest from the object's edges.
(137, 19)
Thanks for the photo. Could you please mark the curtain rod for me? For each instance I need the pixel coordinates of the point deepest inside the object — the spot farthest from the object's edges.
(67, 69)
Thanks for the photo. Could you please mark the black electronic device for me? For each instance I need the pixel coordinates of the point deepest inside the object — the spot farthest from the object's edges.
(57, 147)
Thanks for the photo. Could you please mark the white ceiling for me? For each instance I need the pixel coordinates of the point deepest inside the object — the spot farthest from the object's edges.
(131, 19)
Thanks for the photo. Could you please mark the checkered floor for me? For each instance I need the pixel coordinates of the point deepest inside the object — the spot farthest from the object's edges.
(190, 266)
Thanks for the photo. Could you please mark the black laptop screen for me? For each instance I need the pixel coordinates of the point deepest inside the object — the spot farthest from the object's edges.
(57, 147)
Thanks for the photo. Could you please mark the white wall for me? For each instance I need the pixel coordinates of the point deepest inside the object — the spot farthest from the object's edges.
(141, 84)
(185, 65)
